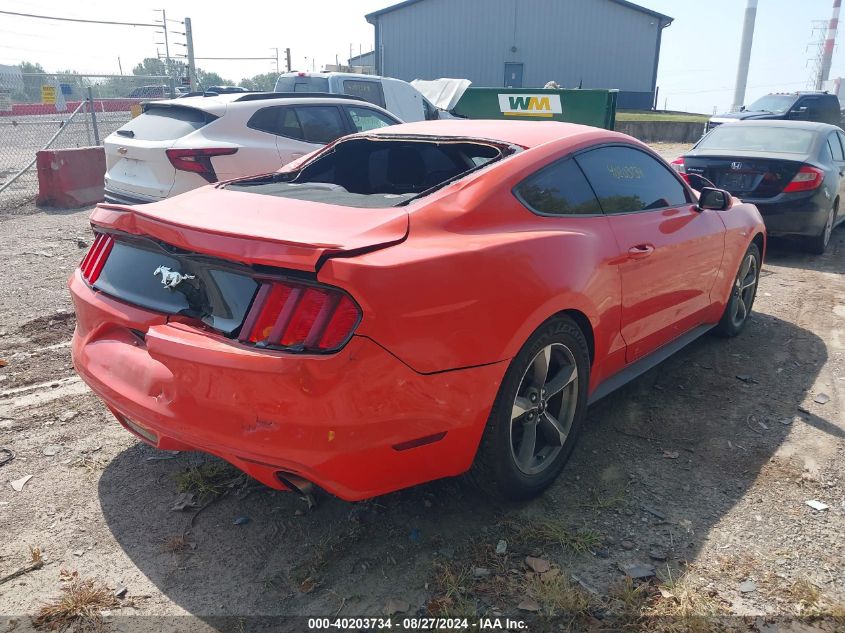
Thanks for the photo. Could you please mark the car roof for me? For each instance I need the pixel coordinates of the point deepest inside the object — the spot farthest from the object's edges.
(524, 133)
(813, 126)
(217, 104)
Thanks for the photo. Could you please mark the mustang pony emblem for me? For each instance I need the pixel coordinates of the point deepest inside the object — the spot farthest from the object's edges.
(170, 278)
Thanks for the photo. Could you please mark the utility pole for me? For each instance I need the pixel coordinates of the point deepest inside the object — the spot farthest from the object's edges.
(166, 42)
(277, 58)
(827, 55)
(287, 58)
(192, 70)
(744, 54)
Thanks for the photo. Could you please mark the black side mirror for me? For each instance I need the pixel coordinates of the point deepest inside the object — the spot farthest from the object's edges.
(715, 199)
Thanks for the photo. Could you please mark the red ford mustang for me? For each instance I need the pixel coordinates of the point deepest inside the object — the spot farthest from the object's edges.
(409, 303)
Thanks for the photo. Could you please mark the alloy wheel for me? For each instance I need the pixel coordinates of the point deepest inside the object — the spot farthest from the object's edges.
(744, 288)
(544, 408)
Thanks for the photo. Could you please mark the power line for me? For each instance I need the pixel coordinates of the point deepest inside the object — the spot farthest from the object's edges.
(50, 17)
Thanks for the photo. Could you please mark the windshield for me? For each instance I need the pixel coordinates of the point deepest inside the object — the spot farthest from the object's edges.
(378, 172)
(754, 138)
(776, 104)
(301, 83)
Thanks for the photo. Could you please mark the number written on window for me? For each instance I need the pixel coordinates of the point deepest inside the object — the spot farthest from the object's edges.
(627, 180)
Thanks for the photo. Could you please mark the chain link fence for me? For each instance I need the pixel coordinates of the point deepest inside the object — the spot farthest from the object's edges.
(38, 110)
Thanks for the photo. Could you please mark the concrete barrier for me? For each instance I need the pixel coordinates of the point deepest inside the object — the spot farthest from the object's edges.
(662, 131)
(70, 178)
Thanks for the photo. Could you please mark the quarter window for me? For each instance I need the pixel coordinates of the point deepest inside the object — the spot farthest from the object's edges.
(835, 147)
(559, 189)
(627, 180)
(367, 90)
(365, 119)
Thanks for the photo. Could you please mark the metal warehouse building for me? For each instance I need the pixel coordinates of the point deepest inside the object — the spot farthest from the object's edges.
(524, 43)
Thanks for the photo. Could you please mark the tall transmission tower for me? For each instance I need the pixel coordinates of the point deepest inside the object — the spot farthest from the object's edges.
(829, 43)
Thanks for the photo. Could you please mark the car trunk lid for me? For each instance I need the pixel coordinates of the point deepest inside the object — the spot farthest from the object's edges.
(258, 230)
(746, 175)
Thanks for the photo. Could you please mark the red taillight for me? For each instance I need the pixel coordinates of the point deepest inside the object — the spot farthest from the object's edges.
(198, 161)
(92, 264)
(300, 318)
(678, 166)
(807, 179)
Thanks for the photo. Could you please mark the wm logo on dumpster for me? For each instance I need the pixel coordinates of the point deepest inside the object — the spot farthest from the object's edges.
(539, 105)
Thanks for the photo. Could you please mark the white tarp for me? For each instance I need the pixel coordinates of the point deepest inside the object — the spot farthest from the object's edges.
(443, 93)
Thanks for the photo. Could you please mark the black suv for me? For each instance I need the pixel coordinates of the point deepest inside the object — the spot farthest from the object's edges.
(798, 106)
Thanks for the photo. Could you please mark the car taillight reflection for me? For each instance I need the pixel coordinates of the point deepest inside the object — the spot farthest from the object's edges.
(92, 264)
(300, 318)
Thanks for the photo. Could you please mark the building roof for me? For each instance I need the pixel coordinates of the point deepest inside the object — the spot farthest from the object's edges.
(401, 5)
(360, 56)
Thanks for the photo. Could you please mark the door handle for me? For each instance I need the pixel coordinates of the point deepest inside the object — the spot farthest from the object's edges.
(640, 251)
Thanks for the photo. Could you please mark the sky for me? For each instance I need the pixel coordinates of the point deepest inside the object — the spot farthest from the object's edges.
(697, 69)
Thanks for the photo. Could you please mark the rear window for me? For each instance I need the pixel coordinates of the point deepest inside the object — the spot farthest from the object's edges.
(367, 90)
(158, 123)
(736, 136)
(363, 172)
(302, 84)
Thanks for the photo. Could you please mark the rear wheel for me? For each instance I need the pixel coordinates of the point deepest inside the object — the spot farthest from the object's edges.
(537, 414)
(818, 244)
(743, 292)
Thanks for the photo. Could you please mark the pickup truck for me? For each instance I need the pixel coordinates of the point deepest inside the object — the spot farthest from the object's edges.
(797, 106)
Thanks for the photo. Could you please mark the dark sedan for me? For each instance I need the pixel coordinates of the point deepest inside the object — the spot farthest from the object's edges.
(793, 171)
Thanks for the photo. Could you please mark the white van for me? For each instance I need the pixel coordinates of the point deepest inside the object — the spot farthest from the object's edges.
(394, 95)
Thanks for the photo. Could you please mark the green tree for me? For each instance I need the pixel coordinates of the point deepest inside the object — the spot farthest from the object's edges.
(206, 79)
(30, 91)
(265, 82)
(150, 66)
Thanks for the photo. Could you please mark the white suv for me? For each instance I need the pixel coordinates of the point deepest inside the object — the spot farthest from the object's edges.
(181, 144)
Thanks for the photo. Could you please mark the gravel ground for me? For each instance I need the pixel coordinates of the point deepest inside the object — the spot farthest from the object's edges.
(700, 469)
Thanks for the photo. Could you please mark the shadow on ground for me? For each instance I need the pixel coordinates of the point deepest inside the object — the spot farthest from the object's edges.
(659, 464)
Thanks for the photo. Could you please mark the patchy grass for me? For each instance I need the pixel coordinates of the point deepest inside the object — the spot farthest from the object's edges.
(175, 544)
(452, 590)
(79, 607)
(737, 566)
(660, 115)
(601, 500)
(672, 606)
(209, 479)
(92, 465)
(557, 596)
(555, 533)
(306, 575)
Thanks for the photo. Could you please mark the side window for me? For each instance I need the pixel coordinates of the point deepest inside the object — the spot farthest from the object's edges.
(365, 119)
(320, 124)
(367, 90)
(559, 189)
(277, 120)
(627, 179)
(835, 148)
(841, 137)
(812, 105)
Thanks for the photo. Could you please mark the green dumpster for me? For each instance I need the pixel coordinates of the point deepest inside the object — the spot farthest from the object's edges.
(588, 107)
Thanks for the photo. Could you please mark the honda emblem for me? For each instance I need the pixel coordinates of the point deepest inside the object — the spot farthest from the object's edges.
(736, 165)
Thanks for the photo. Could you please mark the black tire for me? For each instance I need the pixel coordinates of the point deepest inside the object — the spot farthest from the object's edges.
(818, 244)
(496, 469)
(730, 325)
